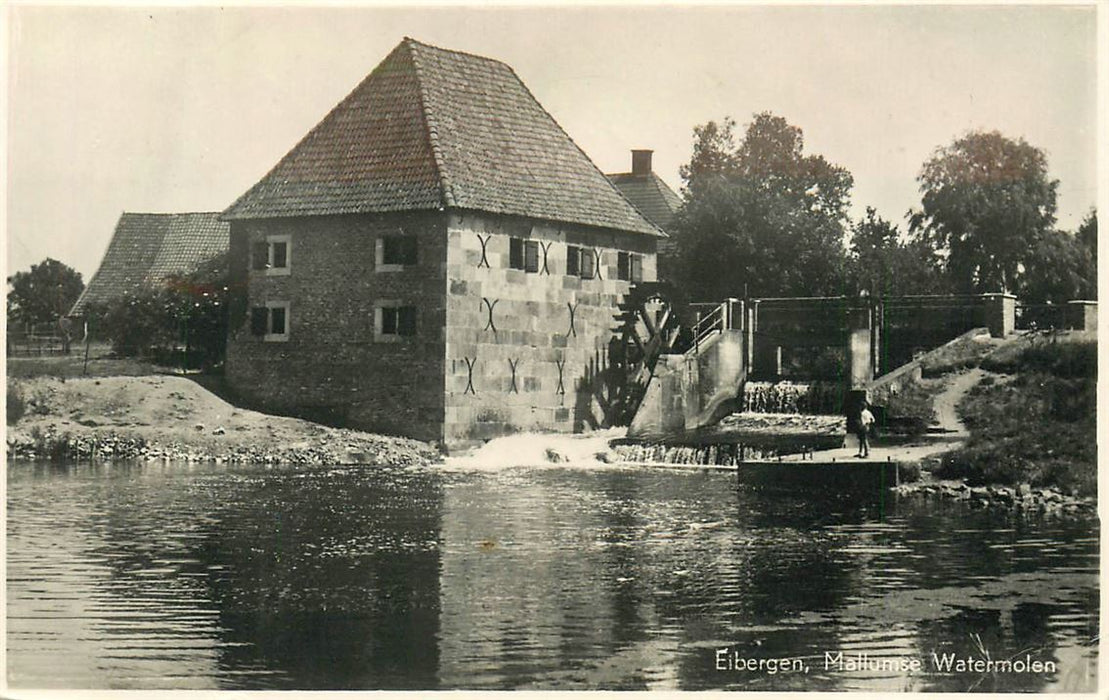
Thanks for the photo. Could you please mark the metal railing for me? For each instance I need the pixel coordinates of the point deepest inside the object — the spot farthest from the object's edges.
(713, 318)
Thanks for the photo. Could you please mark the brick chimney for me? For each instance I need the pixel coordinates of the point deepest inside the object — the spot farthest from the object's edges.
(641, 162)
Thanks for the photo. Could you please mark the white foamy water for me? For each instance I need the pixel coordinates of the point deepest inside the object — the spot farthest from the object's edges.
(540, 449)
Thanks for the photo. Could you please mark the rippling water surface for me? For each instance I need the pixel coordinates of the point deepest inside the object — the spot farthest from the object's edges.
(182, 576)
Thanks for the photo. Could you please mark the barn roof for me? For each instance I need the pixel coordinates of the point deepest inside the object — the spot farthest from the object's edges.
(147, 248)
(431, 128)
(650, 195)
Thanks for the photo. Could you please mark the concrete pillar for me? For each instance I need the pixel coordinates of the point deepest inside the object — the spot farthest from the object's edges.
(860, 366)
(1082, 315)
(752, 327)
(1001, 314)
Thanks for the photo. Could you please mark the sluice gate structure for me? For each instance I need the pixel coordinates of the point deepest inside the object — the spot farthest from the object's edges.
(738, 351)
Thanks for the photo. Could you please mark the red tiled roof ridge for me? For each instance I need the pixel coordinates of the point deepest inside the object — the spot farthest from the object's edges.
(429, 123)
(313, 132)
(657, 231)
(372, 152)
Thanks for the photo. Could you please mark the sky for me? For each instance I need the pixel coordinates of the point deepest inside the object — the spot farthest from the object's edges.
(114, 109)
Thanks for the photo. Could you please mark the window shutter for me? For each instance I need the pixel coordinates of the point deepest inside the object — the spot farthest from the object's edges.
(588, 264)
(623, 266)
(573, 260)
(531, 256)
(259, 317)
(637, 268)
(516, 254)
(406, 322)
(260, 255)
(409, 250)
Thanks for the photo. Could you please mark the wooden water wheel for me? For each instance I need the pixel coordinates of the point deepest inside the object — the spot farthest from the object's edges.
(649, 326)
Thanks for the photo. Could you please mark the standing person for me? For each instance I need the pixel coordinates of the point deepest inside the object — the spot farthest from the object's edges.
(866, 419)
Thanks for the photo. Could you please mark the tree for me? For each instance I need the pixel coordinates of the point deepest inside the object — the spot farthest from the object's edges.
(761, 217)
(1087, 236)
(187, 311)
(986, 202)
(884, 262)
(43, 294)
(1059, 269)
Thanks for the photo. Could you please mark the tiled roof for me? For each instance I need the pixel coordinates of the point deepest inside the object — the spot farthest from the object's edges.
(147, 248)
(431, 128)
(650, 195)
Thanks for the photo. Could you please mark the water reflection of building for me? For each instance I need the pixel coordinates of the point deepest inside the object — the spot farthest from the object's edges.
(612, 579)
(326, 582)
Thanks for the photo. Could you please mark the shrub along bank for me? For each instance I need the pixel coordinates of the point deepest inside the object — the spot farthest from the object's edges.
(1035, 424)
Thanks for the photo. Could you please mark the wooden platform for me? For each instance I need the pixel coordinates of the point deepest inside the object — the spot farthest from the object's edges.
(795, 474)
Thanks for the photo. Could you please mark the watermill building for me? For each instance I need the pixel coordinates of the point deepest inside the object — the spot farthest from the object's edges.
(436, 258)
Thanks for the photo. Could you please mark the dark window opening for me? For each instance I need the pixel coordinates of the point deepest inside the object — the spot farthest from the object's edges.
(399, 250)
(277, 321)
(516, 254)
(398, 320)
(280, 253)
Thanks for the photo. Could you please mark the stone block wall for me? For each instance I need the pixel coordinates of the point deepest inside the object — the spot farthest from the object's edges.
(332, 366)
(514, 359)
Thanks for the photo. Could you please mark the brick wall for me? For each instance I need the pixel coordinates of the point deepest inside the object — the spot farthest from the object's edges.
(331, 366)
(502, 322)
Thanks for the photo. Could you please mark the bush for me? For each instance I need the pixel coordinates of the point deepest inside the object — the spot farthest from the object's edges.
(186, 312)
(1039, 428)
(1066, 358)
(16, 405)
(911, 410)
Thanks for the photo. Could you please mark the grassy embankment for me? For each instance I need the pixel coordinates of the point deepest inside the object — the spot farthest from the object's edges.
(127, 409)
(1033, 419)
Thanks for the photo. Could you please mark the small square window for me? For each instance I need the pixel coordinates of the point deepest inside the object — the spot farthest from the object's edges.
(271, 321)
(394, 252)
(394, 321)
(399, 250)
(271, 255)
(523, 255)
(629, 266)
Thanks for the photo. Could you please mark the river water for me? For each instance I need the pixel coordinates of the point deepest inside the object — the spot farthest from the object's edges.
(206, 576)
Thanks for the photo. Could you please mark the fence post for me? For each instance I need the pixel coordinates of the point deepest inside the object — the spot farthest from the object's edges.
(88, 341)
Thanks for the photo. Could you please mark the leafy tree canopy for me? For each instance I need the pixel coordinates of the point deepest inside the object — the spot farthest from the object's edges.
(760, 217)
(44, 293)
(986, 202)
(884, 262)
(1087, 234)
(1059, 269)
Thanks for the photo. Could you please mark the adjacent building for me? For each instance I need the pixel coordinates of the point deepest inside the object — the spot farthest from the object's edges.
(436, 258)
(148, 248)
(650, 195)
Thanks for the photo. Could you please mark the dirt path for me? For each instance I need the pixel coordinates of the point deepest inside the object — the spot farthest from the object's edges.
(952, 430)
(947, 418)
